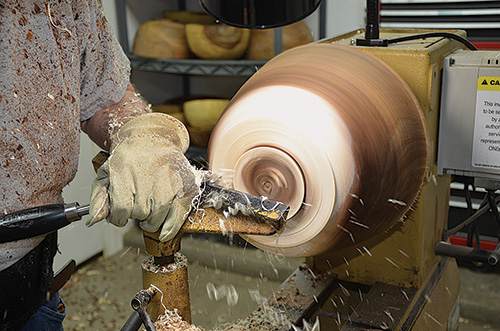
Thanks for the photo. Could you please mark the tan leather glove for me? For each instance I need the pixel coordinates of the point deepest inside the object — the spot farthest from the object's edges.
(147, 177)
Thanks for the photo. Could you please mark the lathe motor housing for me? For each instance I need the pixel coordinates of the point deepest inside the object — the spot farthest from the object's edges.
(469, 132)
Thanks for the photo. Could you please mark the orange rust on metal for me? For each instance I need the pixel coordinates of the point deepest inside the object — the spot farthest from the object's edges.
(172, 279)
(211, 220)
(216, 221)
(99, 160)
(158, 248)
(173, 285)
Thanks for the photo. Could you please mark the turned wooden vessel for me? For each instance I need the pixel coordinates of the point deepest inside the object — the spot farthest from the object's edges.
(332, 132)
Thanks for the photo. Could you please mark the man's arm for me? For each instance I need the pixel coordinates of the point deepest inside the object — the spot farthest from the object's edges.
(146, 177)
(106, 122)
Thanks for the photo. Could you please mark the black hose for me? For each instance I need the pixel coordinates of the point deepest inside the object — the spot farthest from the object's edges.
(494, 208)
(133, 323)
(469, 220)
(473, 231)
(468, 200)
(432, 35)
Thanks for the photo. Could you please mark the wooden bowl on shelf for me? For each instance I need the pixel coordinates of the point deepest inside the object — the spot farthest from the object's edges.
(204, 113)
(161, 38)
(261, 46)
(199, 136)
(174, 110)
(217, 41)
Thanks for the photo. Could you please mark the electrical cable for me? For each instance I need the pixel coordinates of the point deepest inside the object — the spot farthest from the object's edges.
(468, 200)
(470, 212)
(491, 201)
(496, 215)
(473, 231)
(432, 35)
(476, 236)
(471, 219)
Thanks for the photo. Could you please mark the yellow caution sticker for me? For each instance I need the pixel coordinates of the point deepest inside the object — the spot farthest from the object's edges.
(486, 144)
(488, 83)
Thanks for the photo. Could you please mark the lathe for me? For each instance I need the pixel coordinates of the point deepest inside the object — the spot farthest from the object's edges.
(360, 135)
(352, 131)
(347, 132)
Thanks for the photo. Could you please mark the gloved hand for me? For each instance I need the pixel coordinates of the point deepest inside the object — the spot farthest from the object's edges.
(146, 177)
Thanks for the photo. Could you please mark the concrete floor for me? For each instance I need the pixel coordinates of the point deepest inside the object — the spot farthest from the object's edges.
(98, 297)
(99, 293)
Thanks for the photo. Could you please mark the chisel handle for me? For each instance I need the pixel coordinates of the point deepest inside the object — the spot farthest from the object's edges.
(40, 220)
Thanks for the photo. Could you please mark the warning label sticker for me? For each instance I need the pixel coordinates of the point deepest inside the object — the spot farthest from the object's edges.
(488, 84)
(486, 145)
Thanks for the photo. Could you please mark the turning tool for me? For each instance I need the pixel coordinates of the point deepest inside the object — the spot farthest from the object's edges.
(265, 216)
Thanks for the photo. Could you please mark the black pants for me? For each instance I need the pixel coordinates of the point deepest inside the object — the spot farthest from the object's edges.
(25, 285)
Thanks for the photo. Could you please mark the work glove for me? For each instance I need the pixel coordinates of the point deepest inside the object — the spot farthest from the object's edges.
(146, 177)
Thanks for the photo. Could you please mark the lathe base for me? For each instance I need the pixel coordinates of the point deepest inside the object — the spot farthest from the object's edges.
(388, 307)
(172, 283)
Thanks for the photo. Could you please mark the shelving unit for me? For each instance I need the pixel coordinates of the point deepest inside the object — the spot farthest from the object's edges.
(197, 66)
(182, 66)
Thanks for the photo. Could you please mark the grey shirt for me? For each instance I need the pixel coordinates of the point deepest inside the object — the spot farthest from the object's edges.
(59, 64)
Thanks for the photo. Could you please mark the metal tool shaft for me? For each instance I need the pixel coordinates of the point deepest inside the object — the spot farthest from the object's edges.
(140, 305)
(468, 253)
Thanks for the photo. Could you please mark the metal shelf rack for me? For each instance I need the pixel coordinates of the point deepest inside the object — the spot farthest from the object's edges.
(197, 66)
